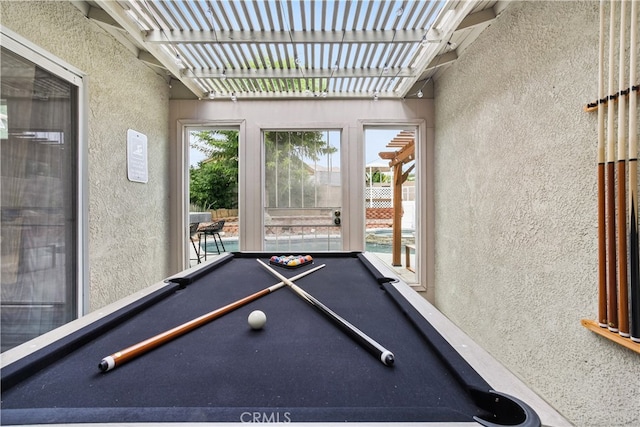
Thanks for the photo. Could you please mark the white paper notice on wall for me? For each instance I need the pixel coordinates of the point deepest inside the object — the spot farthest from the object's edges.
(137, 165)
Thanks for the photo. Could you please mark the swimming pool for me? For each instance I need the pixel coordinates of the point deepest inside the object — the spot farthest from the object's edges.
(376, 240)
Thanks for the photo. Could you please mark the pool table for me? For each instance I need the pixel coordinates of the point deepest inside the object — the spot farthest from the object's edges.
(300, 367)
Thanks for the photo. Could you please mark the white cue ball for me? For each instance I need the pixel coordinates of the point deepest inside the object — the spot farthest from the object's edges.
(257, 319)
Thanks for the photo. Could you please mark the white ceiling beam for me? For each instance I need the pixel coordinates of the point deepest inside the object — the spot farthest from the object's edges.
(452, 17)
(118, 14)
(97, 14)
(83, 6)
(478, 18)
(313, 37)
(300, 95)
(155, 47)
(443, 59)
(147, 58)
(287, 73)
(110, 25)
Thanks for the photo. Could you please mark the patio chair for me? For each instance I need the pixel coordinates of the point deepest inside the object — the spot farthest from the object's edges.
(193, 236)
(212, 229)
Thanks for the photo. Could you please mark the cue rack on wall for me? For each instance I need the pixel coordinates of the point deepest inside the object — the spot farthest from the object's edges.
(618, 257)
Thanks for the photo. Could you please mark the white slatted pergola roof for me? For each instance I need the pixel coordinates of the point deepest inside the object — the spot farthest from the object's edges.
(298, 48)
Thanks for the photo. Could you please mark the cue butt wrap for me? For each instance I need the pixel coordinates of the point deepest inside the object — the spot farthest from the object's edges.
(107, 364)
(387, 358)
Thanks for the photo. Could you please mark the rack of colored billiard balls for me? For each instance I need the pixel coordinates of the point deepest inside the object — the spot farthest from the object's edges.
(291, 261)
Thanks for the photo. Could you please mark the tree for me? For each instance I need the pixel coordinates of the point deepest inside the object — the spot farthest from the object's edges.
(290, 157)
(214, 182)
(377, 177)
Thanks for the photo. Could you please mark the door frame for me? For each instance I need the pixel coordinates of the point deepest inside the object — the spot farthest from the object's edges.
(180, 234)
(424, 263)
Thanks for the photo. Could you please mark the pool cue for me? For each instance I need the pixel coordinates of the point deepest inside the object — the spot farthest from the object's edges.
(122, 356)
(612, 293)
(602, 239)
(381, 353)
(633, 182)
(623, 313)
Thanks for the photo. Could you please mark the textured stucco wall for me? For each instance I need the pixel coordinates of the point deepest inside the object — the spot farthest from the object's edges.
(516, 246)
(128, 222)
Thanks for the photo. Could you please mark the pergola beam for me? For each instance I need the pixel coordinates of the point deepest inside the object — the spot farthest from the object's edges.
(478, 18)
(444, 59)
(116, 12)
(425, 59)
(269, 37)
(288, 73)
(405, 155)
(99, 15)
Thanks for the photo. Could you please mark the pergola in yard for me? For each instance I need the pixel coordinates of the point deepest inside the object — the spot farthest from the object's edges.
(405, 154)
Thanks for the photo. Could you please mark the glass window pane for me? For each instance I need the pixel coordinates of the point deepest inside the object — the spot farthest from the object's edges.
(390, 198)
(213, 192)
(38, 152)
(303, 191)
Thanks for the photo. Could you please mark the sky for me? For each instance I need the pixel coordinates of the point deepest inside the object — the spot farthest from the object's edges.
(195, 157)
(376, 140)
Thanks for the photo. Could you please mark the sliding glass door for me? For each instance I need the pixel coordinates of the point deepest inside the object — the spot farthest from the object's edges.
(39, 204)
(303, 191)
